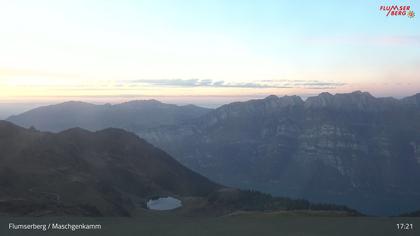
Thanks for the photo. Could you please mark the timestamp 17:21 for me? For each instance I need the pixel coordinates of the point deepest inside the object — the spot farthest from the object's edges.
(405, 226)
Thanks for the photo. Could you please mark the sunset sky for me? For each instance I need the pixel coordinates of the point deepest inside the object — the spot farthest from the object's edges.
(203, 52)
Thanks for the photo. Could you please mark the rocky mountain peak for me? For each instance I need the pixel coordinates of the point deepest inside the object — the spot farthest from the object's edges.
(274, 102)
(412, 100)
(349, 101)
(137, 103)
(271, 98)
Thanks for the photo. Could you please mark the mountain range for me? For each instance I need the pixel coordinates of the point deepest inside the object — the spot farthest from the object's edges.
(352, 149)
(110, 173)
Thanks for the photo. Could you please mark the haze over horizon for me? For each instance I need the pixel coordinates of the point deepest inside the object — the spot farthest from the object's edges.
(205, 52)
(9, 109)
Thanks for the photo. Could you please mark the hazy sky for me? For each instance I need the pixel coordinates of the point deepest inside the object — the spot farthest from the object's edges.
(195, 51)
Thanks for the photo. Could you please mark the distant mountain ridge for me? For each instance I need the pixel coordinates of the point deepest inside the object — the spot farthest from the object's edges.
(134, 115)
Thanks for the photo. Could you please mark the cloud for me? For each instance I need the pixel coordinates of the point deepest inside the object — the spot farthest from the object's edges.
(402, 40)
(386, 40)
(201, 83)
(309, 84)
(12, 72)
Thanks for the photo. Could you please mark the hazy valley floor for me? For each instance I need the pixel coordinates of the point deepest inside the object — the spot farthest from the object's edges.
(263, 224)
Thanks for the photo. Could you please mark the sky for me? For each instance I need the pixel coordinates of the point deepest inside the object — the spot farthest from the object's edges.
(203, 52)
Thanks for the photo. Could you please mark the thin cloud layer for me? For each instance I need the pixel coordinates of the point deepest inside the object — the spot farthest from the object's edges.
(384, 40)
(309, 84)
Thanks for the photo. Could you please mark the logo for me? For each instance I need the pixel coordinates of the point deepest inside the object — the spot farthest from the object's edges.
(398, 10)
(411, 14)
